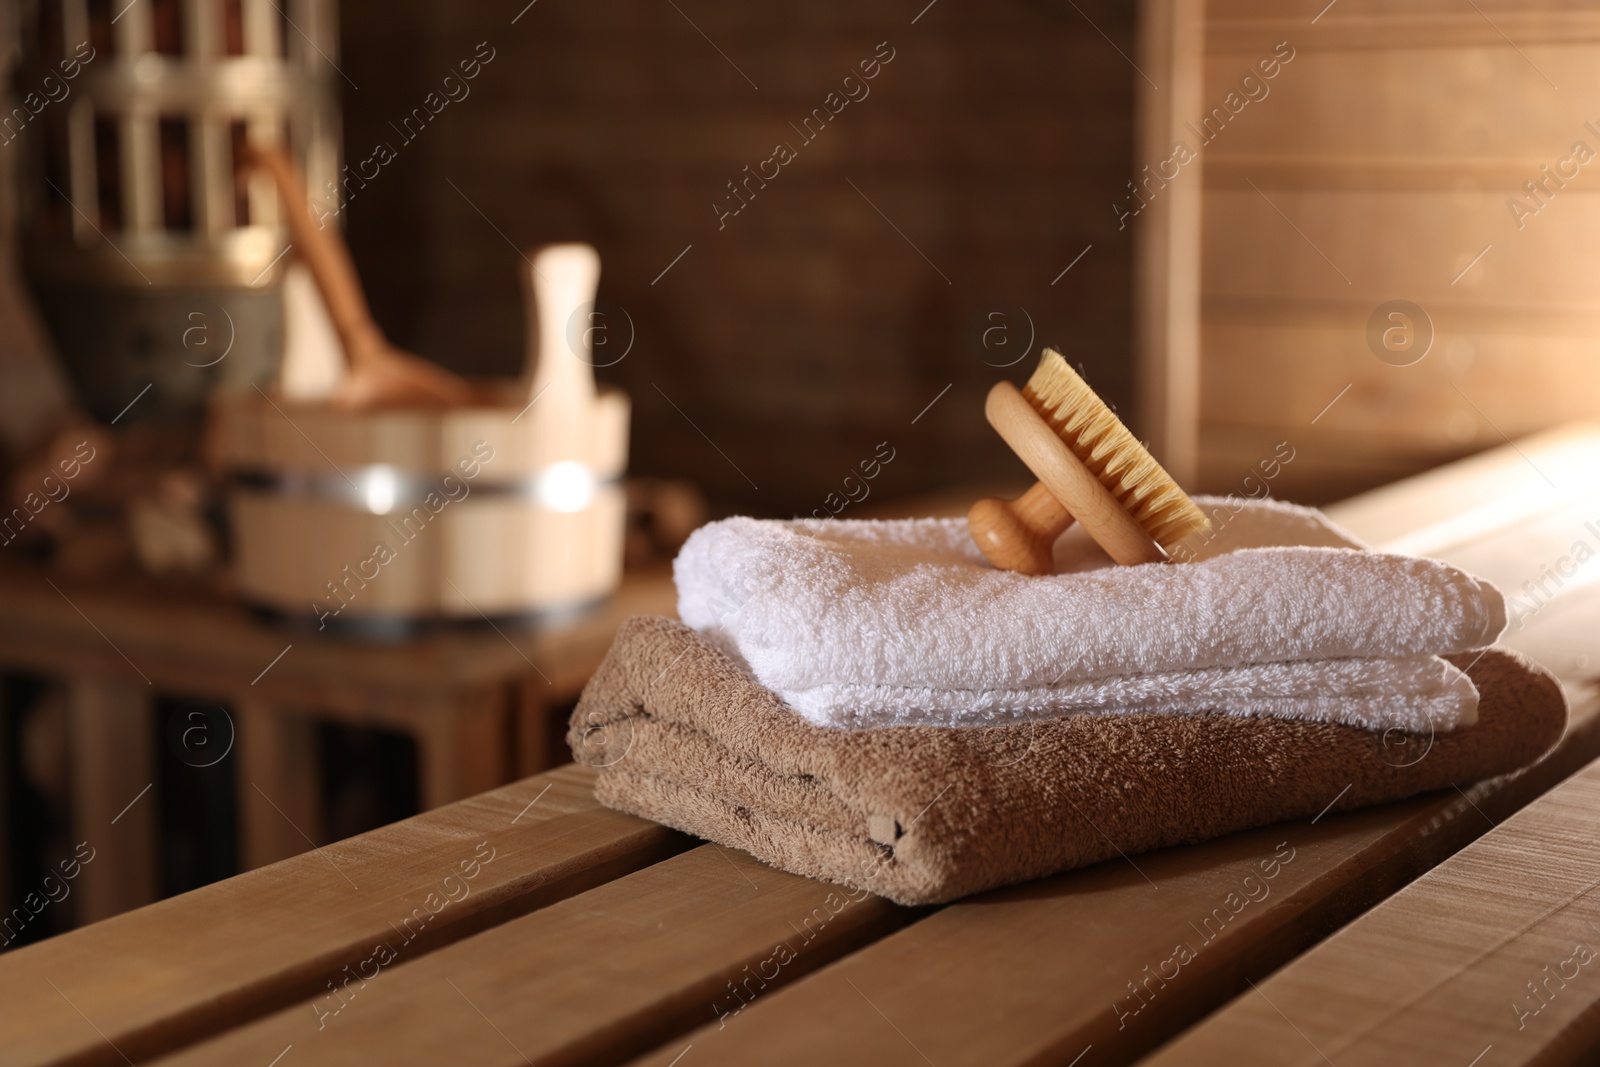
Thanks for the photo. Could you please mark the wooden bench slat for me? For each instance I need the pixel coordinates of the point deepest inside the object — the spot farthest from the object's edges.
(594, 978)
(1040, 972)
(1459, 503)
(153, 979)
(1523, 558)
(1552, 617)
(1498, 946)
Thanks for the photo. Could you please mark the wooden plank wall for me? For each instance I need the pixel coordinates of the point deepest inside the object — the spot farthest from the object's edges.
(1379, 167)
(1166, 257)
(806, 330)
(33, 390)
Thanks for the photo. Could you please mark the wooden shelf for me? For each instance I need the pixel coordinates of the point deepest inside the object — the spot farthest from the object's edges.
(480, 702)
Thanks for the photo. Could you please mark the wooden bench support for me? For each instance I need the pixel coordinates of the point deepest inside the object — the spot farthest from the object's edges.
(114, 794)
(465, 749)
(277, 783)
(534, 730)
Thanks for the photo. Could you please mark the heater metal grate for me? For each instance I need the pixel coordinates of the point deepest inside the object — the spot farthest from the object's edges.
(141, 229)
(136, 177)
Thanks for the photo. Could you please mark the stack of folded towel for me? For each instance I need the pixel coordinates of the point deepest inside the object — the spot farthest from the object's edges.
(871, 703)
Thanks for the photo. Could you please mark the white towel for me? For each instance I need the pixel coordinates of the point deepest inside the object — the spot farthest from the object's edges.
(1412, 693)
(859, 623)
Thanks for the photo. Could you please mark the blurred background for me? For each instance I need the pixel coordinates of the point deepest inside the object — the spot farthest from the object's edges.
(1305, 248)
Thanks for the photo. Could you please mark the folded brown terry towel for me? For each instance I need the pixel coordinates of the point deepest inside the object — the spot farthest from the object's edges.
(924, 814)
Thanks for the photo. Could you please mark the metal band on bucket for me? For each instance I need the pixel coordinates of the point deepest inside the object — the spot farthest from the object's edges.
(380, 489)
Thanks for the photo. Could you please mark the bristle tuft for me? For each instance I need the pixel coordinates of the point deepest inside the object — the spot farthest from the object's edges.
(1096, 436)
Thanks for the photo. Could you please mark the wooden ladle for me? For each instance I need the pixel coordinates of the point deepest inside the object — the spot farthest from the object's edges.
(381, 375)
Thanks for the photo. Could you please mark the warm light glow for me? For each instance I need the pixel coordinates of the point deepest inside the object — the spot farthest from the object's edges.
(379, 485)
(566, 486)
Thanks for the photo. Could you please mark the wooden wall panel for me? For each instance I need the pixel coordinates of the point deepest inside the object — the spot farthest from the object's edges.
(808, 329)
(1266, 377)
(1378, 167)
(1407, 244)
(1167, 237)
(33, 390)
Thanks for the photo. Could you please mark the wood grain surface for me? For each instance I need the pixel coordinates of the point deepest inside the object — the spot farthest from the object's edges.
(1488, 958)
(164, 975)
(592, 979)
(1381, 164)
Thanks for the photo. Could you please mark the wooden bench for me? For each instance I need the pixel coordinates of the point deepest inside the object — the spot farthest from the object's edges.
(526, 925)
(1493, 951)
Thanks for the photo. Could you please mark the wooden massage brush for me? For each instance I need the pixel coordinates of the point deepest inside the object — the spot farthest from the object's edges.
(381, 375)
(1090, 468)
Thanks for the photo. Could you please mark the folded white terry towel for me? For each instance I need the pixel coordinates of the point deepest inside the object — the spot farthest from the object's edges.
(1412, 693)
(858, 623)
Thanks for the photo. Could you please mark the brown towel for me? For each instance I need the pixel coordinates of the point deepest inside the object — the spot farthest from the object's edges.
(923, 814)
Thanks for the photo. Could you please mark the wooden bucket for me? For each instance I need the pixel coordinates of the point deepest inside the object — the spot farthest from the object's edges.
(371, 520)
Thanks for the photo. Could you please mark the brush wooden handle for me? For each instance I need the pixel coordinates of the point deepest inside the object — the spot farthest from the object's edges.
(1020, 535)
(1073, 485)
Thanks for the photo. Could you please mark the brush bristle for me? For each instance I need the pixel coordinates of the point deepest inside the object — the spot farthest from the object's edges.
(1097, 437)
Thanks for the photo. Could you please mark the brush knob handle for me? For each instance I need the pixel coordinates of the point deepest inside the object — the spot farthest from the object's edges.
(1020, 535)
(1067, 478)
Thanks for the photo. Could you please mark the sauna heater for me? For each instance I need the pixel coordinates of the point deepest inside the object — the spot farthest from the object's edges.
(153, 255)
